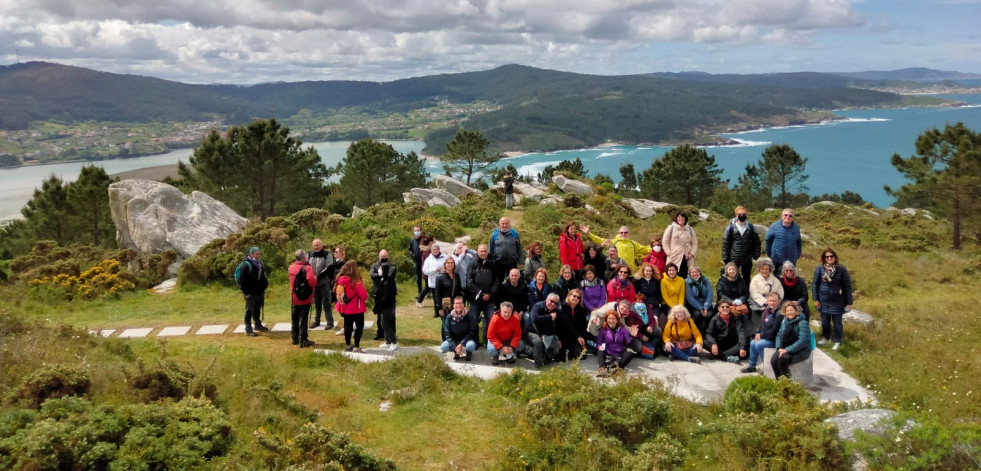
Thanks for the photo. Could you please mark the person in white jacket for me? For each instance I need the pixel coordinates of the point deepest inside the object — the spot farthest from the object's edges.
(432, 268)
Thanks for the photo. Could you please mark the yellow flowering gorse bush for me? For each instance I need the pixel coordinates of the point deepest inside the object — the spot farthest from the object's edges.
(103, 280)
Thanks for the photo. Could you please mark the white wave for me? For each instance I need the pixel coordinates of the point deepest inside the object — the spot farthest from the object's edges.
(608, 154)
(863, 120)
(644, 148)
(532, 170)
(741, 143)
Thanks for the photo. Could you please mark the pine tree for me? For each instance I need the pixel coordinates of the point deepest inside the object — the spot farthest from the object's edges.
(467, 155)
(783, 169)
(684, 175)
(88, 198)
(374, 172)
(47, 211)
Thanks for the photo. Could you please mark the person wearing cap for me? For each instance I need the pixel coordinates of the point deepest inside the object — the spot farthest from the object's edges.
(253, 284)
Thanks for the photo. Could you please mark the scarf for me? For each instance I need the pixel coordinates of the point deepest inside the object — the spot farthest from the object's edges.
(458, 317)
(258, 263)
(642, 312)
(829, 273)
(790, 282)
(590, 284)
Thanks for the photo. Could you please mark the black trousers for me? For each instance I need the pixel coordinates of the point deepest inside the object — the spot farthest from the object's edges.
(299, 316)
(386, 318)
(781, 364)
(725, 350)
(253, 309)
(321, 301)
(353, 324)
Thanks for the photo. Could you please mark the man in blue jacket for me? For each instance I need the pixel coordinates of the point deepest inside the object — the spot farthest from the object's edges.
(783, 239)
(505, 248)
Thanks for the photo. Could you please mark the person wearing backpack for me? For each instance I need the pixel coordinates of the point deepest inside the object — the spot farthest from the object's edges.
(250, 276)
(302, 283)
(351, 299)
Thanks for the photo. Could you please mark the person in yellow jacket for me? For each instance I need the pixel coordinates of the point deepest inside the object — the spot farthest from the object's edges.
(672, 286)
(682, 340)
(629, 250)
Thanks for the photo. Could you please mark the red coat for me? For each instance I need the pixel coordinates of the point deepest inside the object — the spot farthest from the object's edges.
(357, 296)
(571, 250)
(501, 330)
(658, 259)
(311, 280)
(615, 292)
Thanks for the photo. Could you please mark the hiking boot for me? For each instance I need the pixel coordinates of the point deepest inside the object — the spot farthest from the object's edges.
(495, 361)
(733, 359)
(350, 348)
(379, 336)
(695, 360)
(261, 328)
(511, 360)
(469, 356)
(315, 324)
(307, 343)
(251, 334)
(748, 369)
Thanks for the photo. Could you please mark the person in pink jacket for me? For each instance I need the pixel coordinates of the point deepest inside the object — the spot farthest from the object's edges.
(351, 299)
(300, 310)
(621, 286)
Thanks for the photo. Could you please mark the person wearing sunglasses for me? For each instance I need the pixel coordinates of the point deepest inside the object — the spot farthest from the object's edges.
(629, 250)
(832, 291)
(783, 240)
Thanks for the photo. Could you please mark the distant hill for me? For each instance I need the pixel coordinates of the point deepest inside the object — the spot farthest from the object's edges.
(536, 109)
(916, 74)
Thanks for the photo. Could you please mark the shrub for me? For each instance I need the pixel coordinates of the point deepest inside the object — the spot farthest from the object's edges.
(927, 445)
(316, 447)
(168, 380)
(50, 382)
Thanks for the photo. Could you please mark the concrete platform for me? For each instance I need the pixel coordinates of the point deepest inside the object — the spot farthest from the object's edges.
(135, 333)
(174, 331)
(700, 383)
(215, 329)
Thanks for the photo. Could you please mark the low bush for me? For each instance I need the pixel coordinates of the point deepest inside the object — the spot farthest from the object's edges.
(926, 445)
(314, 447)
(52, 382)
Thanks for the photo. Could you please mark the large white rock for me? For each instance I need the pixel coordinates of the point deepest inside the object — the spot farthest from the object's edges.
(530, 192)
(152, 217)
(431, 196)
(855, 316)
(872, 421)
(568, 185)
(453, 186)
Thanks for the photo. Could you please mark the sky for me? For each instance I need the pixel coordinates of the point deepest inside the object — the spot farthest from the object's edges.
(255, 41)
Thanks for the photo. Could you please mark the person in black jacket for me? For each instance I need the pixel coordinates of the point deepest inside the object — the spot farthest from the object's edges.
(766, 334)
(515, 290)
(725, 337)
(741, 243)
(576, 317)
(458, 325)
(416, 253)
(383, 291)
(794, 287)
(340, 257)
(544, 329)
(253, 284)
(482, 288)
(448, 287)
(594, 256)
(320, 260)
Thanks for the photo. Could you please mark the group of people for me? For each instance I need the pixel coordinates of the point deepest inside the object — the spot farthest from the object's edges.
(324, 281)
(612, 305)
(652, 298)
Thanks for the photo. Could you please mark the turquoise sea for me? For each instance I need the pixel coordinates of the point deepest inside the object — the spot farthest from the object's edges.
(850, 154)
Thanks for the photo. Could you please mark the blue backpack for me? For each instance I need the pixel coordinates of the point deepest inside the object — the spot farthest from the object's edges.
(242, 270)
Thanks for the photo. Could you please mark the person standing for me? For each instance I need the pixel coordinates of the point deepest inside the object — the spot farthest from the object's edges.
(680, 242)
(783, 240)
(571, 249)
(340, 257)
(320, 261)
(383, 291)
(741, 243)
(300, 273)
(416, 253)
(463, 256)
(351, 301)
(505, 248)
(432, 268)
(832, 295)
(508, 190)
(482, 287)
(253, 283)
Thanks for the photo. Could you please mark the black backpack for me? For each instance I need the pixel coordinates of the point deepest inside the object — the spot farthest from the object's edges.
(301, 288)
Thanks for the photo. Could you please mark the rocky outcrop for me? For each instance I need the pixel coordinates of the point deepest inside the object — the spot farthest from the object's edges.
(647, 208)
(855, 316)
(152, 217)
(576, 187)
(431, 196)
(552, 200)
(872, 421)
(453, 186)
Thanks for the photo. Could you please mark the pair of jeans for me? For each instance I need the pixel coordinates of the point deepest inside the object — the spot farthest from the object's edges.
(450, 345)
(321, 301)
(299, 316)
(756, 348)
(540, 352)
(353, 324)
(494, 352)
(386, 319)
(828, 318)
(683, 353)
(481, 309)
(253, 308)
(509, 200)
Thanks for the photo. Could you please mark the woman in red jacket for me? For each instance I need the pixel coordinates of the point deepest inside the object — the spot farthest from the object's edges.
(620, 287)
(571, 249)
(351, 299)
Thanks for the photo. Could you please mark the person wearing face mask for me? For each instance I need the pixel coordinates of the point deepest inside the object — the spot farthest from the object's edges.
(658, 258)
(416, 253)
(740, 243)
(383, 291)
(648, 332)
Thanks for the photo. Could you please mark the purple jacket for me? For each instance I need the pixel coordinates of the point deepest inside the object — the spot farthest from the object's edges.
(616, 341)
(594, 297)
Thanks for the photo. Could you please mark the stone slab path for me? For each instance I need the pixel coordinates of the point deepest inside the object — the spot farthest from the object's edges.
(701, 383)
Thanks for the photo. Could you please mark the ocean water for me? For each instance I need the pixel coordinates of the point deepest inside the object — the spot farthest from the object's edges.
(851, 154)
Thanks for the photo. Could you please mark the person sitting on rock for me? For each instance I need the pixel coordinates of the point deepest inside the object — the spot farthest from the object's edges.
(698, 297)
(544, 330)
(682, 340)
(793, 341)
(766, 334)
(763, 283)
(611, 345)
(458, 326)
(725, 337)
(504, 335)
